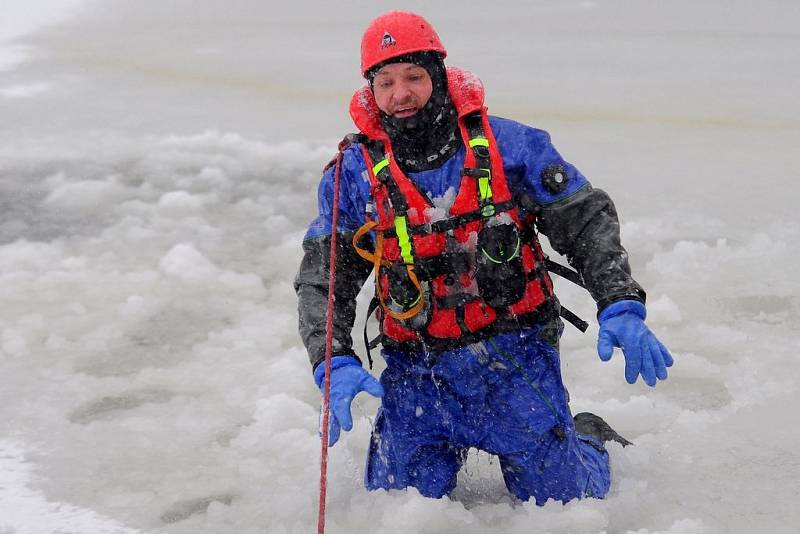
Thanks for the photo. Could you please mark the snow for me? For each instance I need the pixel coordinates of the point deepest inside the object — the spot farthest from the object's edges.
(158, 168)
(20, 505)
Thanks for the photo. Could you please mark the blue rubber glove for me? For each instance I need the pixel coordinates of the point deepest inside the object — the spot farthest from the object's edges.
(622, 325)
(348, 379)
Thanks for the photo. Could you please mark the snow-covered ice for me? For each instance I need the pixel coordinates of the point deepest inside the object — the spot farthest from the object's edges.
(158, 167)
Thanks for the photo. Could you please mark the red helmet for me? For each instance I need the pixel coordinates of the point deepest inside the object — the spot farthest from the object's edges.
(394, 34)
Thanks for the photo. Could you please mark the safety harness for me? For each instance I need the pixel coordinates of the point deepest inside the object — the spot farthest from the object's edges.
(446, 282)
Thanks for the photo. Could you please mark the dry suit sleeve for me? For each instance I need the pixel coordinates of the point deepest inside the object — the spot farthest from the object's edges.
(311, 282)
(580, 221)
(311, 285)
(584, 227)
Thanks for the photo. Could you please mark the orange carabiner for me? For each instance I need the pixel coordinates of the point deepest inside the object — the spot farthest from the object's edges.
(377, 262)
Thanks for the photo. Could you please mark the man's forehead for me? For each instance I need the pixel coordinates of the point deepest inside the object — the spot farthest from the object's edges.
(397, 67)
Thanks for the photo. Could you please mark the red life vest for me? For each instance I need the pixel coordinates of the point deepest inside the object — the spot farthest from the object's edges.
(449, 256)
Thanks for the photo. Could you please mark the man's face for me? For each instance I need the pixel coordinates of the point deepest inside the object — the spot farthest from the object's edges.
(402, 89)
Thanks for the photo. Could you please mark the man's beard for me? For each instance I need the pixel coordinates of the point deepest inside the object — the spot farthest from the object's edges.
(427, 138)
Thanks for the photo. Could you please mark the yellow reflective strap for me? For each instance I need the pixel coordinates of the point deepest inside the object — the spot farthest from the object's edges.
(403, 239)
(478, 141)
(380, 165)
(485, 187)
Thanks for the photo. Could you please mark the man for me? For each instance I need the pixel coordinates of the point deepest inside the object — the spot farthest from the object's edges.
(445, 203)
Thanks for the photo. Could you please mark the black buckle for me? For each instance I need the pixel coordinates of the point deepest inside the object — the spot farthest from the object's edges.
(475, 172)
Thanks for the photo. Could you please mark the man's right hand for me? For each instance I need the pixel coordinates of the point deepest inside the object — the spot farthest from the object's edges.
(348, 379)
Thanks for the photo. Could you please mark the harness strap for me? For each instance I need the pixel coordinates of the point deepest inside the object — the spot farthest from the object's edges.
(573, 319)
(575, 278)
(564, 272)
(371, 344)
(445, 225)
(373, 258)
(400, 206)
(479, 144)
(381, 171)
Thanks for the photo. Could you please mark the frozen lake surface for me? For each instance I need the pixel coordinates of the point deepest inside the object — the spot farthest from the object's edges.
(158, 167)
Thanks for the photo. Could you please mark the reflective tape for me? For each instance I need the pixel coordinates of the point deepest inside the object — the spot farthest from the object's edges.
(485, 187)
(403, 239)
(479, 141)
(379, 166)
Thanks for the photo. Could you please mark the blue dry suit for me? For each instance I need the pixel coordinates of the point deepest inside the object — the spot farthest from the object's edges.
(503, 395)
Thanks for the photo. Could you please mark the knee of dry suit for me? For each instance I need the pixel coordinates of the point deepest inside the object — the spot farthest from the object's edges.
(572, 469)
(397, 461)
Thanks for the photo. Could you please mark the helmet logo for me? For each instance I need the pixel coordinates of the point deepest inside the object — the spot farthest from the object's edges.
(387, 40)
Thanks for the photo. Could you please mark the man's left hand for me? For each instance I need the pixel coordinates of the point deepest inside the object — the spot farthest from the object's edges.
(622, 325)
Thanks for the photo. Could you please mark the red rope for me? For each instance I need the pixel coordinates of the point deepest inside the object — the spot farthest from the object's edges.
(326, 391)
